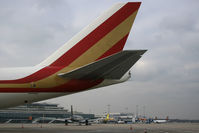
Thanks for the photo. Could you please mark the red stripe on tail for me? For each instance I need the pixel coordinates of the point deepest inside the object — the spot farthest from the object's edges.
(116, 48)
(97, 34)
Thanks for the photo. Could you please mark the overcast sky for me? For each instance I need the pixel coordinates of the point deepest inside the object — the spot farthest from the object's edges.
(165, 80)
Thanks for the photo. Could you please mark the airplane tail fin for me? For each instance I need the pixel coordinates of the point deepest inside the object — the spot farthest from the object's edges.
(106, 36)
(71, 112)
(107, 117)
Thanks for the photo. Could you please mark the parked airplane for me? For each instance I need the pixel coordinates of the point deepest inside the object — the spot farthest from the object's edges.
(72, 119)
(77, 119)
(91, 59)
(158, 121)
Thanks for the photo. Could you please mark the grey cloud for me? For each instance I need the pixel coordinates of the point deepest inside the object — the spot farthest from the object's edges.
(43, 25)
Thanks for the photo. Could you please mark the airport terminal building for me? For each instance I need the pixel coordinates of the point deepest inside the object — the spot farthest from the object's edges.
(37, 113)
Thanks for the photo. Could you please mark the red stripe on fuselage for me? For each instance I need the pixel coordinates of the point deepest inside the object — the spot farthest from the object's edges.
(82, 46)
(43, 73)
(73, 86)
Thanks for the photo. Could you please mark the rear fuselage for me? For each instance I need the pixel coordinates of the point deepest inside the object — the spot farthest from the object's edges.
(17, 89)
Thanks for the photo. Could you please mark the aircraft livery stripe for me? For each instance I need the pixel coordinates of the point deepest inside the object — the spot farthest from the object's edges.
(96, 34)
(115, 48)
(74, 86)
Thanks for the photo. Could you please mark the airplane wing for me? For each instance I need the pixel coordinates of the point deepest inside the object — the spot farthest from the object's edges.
(112, 67)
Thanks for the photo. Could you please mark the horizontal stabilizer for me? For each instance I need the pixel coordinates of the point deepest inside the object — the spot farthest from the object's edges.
(112, 67)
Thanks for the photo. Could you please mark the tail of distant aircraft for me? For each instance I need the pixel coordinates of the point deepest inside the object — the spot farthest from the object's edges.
(71, 111)
(108, 118)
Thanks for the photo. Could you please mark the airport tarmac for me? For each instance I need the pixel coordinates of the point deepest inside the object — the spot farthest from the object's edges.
(101, 128)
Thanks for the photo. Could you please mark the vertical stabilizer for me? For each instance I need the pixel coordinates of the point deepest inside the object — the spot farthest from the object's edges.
(103, 37)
